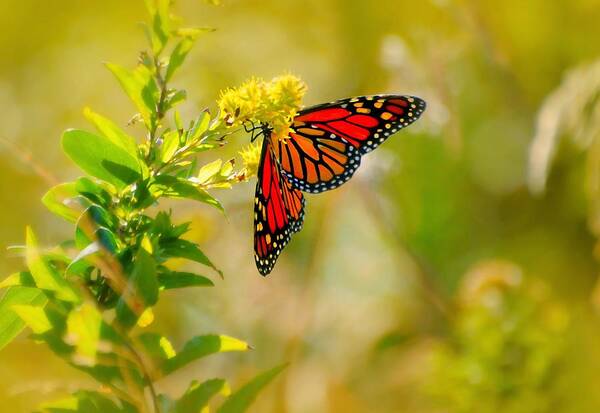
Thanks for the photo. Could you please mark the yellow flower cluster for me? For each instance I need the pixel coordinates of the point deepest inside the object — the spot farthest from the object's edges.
(275, 102)
(251, 158)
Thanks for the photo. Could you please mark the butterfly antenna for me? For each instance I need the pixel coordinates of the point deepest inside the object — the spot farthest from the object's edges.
(251, 130)
(246, 128)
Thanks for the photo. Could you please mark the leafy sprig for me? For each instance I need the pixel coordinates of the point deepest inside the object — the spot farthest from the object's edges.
(90, 299)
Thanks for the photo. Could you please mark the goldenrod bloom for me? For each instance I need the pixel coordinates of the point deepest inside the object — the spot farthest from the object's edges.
(275, 102)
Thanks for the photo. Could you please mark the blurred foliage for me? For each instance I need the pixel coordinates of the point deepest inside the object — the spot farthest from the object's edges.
(506, 350)
(373, 302)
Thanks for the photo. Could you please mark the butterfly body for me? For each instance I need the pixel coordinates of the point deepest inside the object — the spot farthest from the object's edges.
(322, 152)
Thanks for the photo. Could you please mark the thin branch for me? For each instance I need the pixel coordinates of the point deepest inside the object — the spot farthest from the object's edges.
(146, 374)
(27, 158)
(160, 114)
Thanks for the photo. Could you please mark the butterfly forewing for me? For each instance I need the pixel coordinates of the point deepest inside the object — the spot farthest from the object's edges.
(278, 211)
(328, 140)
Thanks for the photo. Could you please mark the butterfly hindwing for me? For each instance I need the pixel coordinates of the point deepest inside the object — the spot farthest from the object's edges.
(278, 211)
(328, 140)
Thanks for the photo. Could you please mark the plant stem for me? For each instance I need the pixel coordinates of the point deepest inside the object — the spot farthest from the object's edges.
(152, 137)
(140, 362)
(160, 114)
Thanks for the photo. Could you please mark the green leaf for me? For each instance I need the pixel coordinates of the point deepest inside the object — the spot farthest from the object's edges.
(174, 187)
(141, 291)
(181, 248)
(140, 87)
(83, 331)
(23, 279)
(45, 276)
(93, 191)
(178, 121)
(157, 347)
(112, 132)
(203, 346)
(101, 217)
(82, 261)
(227, 168)
(178, 56)
(144, 276)
(175, 279)
(107, 239)
(34, 317)
(240, 400)
(101, 158)
(198, 395)
(208, 171)
(200, 126)
(193, 32)
(61, 200)
(11, 324)
(95, 226)
(169, 145)
(176, 98)
(84, 402)
(160, 28)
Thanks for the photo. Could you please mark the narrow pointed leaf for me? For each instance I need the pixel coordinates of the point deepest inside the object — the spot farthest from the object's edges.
(201, 126)
(193, 32)
(157, 347)
(176, 98)
(198, 396)
(169, 145)
(178, 56)
(175, 279)
(160, 28)
(203, 346)
(85, 402)
(181, 248)
(241, 400)
(173, 187)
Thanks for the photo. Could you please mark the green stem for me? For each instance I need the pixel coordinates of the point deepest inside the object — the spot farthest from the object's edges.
(140, 362)
(158, 117)
(160, 113)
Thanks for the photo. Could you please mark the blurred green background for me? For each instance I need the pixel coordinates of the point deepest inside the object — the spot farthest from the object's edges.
(455, 273)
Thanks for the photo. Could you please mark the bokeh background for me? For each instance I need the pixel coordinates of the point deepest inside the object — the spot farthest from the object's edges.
(457, 272)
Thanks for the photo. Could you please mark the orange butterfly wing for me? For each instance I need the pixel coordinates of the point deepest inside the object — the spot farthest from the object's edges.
(278, 211)
(322, 153)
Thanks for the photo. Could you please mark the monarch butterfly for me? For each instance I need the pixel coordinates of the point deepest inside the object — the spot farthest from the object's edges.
(322, 151)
